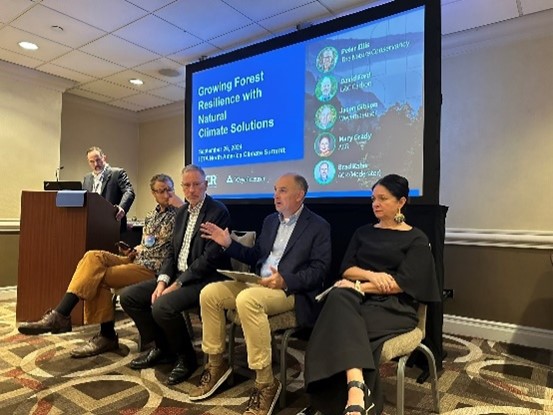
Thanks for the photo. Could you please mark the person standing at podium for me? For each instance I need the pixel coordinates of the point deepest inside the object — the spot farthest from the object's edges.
(112, 183)
(100, 271)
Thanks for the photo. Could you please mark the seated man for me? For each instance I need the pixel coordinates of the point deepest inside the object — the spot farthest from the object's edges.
(99, 271)
(156, 306)
(293, 256)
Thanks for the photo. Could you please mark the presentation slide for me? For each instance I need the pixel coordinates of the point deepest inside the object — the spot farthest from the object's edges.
(343, 110)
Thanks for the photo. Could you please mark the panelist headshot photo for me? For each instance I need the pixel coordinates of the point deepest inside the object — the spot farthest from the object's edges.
(326, 88)
(325, 117)
(327, 59)
(324, 172)
(325, 144)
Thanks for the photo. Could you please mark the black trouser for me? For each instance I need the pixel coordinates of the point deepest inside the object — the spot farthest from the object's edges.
(349, 333)
(163, 321)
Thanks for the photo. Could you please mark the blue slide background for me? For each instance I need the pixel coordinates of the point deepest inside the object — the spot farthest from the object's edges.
(388, 78)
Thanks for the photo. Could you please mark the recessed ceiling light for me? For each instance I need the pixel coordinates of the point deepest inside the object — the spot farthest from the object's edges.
(28, 45)
(136, 81)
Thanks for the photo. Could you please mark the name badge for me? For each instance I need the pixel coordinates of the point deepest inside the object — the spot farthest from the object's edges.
(149, 241)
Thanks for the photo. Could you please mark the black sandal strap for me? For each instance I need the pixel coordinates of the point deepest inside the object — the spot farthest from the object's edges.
(366, 393)
(358, 385)
(355, 408)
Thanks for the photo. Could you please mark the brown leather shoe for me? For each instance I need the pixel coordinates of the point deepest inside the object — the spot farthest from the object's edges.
(51, 322)
(263, 399)
(212, 377)
(95, 346)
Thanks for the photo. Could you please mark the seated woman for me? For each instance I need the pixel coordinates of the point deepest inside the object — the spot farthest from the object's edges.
(387, 269)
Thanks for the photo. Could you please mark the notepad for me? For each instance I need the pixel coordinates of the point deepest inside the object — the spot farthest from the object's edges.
(241, 276)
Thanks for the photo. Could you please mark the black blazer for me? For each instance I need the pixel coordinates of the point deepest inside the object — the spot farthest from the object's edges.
(305, 262)
(204, 255)
(116, 189)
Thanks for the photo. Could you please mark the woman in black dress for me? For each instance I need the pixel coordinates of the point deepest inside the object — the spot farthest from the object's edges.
(387, 269)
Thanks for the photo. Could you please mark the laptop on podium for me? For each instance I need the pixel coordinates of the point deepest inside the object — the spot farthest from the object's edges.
(62, 185)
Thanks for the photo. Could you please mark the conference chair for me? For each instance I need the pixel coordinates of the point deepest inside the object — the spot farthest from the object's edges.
(401, 347)
(246, 238)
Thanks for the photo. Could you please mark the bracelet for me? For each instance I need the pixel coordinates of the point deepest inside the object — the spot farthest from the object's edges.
(358, 287)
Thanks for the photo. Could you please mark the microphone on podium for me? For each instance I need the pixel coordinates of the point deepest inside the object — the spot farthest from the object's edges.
(58, 173)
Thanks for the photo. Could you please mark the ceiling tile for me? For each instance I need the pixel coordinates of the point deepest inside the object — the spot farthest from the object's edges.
(119, 51)
(107, 15)
(23, 60)
(151, 5)
(65, 73)
(240, 37)
(168, 38)
(339, 6)
(147, 101)
(47, 50)
(39, 20)
(127, 105)
(258, 10)
(108, 89)
(122, 78)
(193, 16)
(149, 35)
(170, 92)
(10, 9)
(533, 6)
(468, 14)
(194, 53)
(88, 94)
(152, 69)
(87, 64)
(289, 19)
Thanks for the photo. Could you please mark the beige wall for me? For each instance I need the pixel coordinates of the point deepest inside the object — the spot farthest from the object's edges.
(497, 127)
(86, 124)
(141, 148)
(497, 142)
(30, 126)
(161, 147)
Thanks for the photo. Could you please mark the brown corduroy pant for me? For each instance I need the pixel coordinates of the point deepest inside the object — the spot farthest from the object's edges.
(96, 274)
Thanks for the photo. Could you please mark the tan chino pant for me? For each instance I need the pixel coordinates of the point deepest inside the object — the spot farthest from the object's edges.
(96, 274)
(254, 305)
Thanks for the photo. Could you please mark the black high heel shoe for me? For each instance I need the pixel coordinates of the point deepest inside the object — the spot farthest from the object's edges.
(368, 405)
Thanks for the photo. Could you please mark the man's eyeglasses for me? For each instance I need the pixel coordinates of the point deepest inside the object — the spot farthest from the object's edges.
(161, 191)
(191, 185)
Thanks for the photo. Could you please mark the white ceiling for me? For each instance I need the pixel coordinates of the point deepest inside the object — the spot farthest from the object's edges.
(104, 43)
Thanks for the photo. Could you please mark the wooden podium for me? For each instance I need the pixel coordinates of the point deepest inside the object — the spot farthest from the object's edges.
(52, 240)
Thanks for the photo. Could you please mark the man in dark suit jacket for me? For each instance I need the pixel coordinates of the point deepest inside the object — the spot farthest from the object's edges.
(112, 183)
(156, 306)
(292, 255)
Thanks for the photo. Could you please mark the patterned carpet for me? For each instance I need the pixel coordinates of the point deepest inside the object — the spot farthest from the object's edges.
(37, 376)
